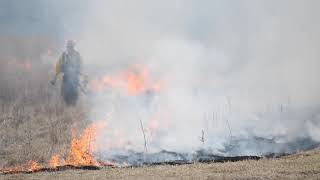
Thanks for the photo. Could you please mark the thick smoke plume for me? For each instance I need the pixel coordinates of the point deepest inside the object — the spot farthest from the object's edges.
(225, 70)
(228, 68)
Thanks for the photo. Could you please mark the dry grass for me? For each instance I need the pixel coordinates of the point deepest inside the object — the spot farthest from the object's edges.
(35, 123)
(305, 165)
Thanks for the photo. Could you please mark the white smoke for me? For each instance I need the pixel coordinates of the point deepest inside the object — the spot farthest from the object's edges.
(248, 67)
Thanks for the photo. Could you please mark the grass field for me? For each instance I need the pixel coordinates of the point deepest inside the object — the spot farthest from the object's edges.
(304, 165)
(36, 124)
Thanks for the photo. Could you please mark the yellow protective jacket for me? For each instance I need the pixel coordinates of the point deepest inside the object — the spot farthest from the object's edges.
(65, 60)
(59, 67)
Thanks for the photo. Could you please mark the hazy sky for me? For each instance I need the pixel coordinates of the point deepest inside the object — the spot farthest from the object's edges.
(38, 17)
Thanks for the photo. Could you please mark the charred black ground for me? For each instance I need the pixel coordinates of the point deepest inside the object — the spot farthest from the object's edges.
(237, 149)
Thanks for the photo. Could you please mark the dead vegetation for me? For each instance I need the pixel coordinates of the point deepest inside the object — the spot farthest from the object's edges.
(35, 122)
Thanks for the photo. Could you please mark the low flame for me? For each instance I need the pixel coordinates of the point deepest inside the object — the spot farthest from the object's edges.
(81, 148)
(54, 161)
(80, 153)
(28, 167)
(34, 166)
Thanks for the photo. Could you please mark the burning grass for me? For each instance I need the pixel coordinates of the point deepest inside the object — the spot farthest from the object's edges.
(36, 124)
(79, 156)
(81, 148)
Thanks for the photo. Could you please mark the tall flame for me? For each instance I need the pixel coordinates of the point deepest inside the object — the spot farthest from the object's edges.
(81, 148)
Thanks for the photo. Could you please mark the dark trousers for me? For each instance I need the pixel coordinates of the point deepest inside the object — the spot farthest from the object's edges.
(69, 89)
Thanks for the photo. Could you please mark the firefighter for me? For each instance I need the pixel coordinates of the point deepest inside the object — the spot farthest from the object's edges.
(70, 65)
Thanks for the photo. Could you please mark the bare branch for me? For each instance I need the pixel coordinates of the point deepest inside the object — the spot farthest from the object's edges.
(144, 137)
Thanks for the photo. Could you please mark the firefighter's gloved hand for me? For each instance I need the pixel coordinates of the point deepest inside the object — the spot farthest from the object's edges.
(53, 82)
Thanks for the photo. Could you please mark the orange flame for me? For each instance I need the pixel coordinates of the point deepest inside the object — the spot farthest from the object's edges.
(33, 166)
(54, 161)
(81, 148)
(80, 153)
(28, 167)
(134, 81)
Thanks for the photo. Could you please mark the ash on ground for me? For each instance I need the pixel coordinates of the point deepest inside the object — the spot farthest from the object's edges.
(236, 149)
